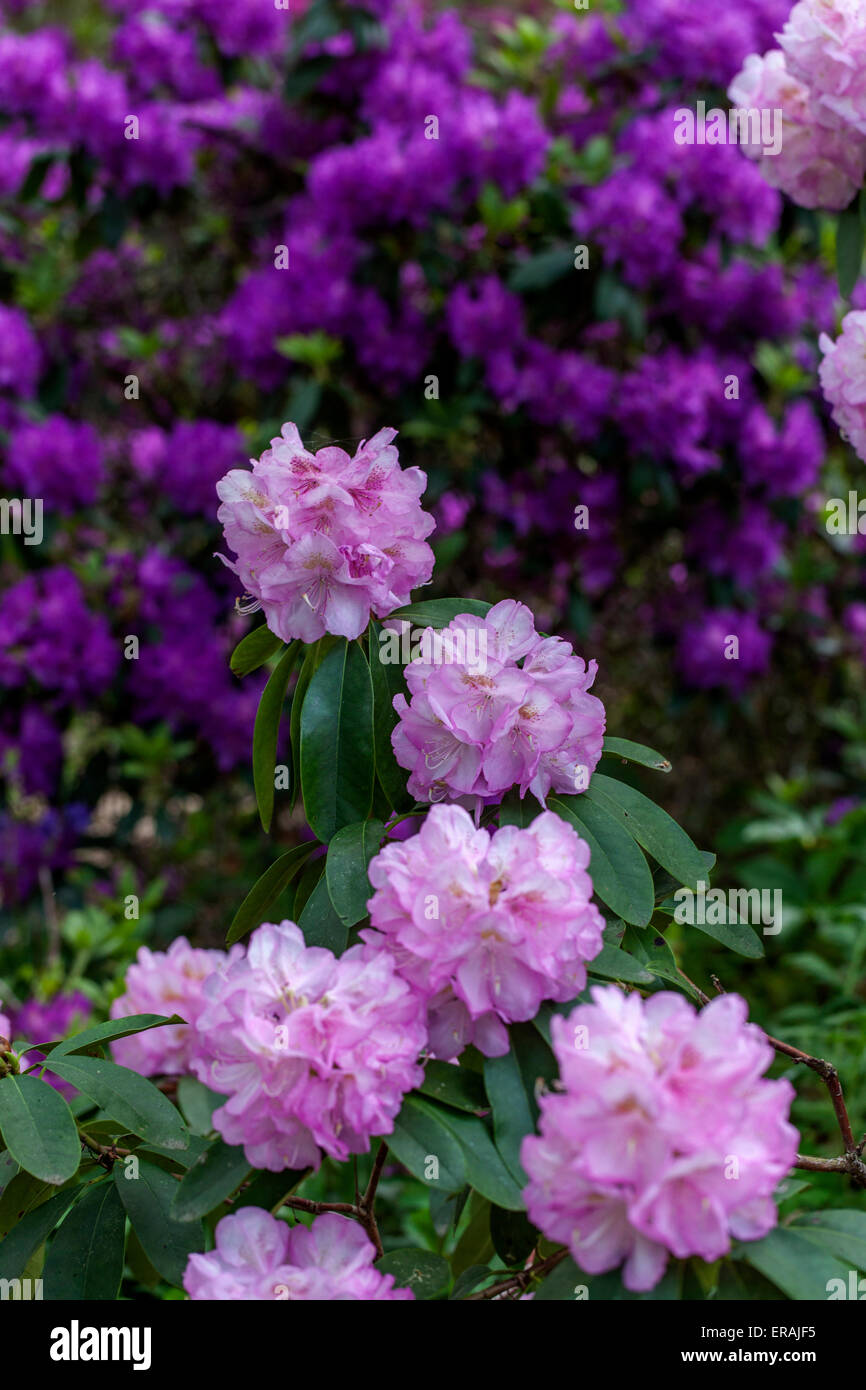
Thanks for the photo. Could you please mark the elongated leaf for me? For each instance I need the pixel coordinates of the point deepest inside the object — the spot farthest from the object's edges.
(38, 1128)
(266, 1189)
(419, 1135)
(388, 681)
(197, 1102)
(313, 659)
(519, 811)
(212, 1178)
(110, 1031)
(849, 250)
(260, 899)
(421, 1271)
(512, 1235)
(650, 950)
(167, 1242)
(266, 732)
(841, 1233)
(656, 831)
(636, 753)
(337, 760)
(614, 964)
(797, 1266)
(349, 854)
(438, 612)
(319, 922)
(619, 871)
(538, 1067)
(475, 1246)
(32, 1231)
(512, 1111)
(485, 1169)
(127, 1097)
(254, 650)
(85, 1259)
(455, 1086)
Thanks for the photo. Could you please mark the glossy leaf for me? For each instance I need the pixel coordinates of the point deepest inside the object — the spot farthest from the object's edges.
(653, 829)
(336, 737)
(213, 1177)
(167, 1242)
(254, 650)
(127, 1097)
(38, 1128)
(266, 732)
(620, 874)
(257, 905)
(349, 854)
(85, 1259)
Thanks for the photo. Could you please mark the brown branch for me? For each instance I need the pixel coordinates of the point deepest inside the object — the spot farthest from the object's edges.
(518, 1282)
(317, 1208)
(366, 1206)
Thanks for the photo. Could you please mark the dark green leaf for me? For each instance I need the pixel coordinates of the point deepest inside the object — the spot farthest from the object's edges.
(197, 1104)
(337, 760)
(261, 898)
(32, 1231)
(800, 1268)
(471, 1279)
(841, 1233)
(849, 250)
(110, 1031)
(656, 831)
(85, 1259)
(127, 1097)
(213, 1177)
(438, 612)
(167, 1242)
(421, 1271)
(266, 732)
(620, 874)
(484, 1168)
(349, 854)
(38, 1128)
(636, 753)
(613, 964)
(454, 1086)
(319, 922)
(513, 1118)
(388, 681)
(254, 650)
(512, 1235)
(542, 269)
(419, 1136)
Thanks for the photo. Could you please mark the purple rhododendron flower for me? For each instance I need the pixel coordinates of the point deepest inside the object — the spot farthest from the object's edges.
(495, 705)
(322, 539)
(259, 1257)
(485, 927)
(166, 982)
(665, 1137)
(723, 648)
(314, 1052)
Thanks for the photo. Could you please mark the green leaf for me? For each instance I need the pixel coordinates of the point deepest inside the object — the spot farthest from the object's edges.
(438, 612)
(254, 650)
(197, 1103)
(315, 655)
(620, 874)
(475, 1246)
(471, 1279)
(485, 1169)
(519, 811)
(542, 269)
(167, 1242)
(349, 854)
(32, 1231)
(454, 1086)
(419, 1134)
(38, 1128)
(127, 1097)
(421, 1271)
(275, 880)
(320, 924)
(614, 964)
(653, 829)
(85, 1259)
(652, 952)
(388, 681)
(110, 1031)
(266, 732)
(841, 1233)
(266, 1189)
(514, 1238)
(849, 250)
(213, 1177)
(337, 760)
(513, 1117)
(636, 753)
(797, 1266)
(538, 1065)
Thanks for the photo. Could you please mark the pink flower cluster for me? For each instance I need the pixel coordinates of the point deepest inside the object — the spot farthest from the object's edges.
(258, 1257)
(665, 1137)
(485, 927)
(825, 46)
(5, 1031)
(166, 982)
(314, 1053)
(822, 159)
(494, 705)
(322, 539)
(843, 379)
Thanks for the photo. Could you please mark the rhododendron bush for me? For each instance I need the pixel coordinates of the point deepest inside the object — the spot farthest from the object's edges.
(400, 425)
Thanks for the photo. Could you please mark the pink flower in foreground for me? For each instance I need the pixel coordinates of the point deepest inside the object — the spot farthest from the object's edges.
(665, 1137)
(166, 982)
(825, 46)
(5, 1033)
(495, 705)
(843, 379)
(322, 539)
(314, 1053)
(486, 927)
(822, 161)
(259, 1257)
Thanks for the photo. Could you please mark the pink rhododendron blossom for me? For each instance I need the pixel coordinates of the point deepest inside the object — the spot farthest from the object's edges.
(314, 1053)
(166, 982)
(5, 1030)
(322, 539)
(843, 379)
(486, 926)
(665, 1137)
(822, 160)
(493, 705)
(825, 47)
(259, 1257)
